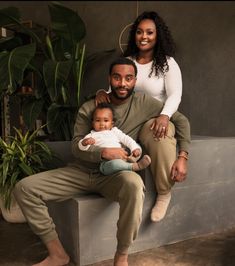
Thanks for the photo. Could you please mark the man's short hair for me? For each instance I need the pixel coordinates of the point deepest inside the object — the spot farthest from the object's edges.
(122, 61)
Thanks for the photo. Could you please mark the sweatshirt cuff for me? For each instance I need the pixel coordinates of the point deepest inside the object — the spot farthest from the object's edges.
(184, 145)
(82, 147)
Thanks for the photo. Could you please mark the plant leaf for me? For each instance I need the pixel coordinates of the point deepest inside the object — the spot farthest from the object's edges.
(66, 23)
(13, 65)
(22, 156)
(60, 121)
(9, 15)
(31, 110)
(55, 75)
(26, 169)
(10, 43)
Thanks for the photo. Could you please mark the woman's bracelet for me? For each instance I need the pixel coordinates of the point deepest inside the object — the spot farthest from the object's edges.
(183, 156)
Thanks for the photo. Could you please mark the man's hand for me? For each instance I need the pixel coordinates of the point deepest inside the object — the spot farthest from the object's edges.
(88, 141)
(179, 170)
(114, 153)
(160, 126)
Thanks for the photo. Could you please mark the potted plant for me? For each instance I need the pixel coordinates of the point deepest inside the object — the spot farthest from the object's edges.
(21, 155)
(56, 60)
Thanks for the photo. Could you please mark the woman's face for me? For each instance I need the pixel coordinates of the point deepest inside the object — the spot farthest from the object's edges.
(146, 35)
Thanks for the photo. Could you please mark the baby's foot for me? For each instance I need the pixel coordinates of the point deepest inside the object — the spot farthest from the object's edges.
(142, 163)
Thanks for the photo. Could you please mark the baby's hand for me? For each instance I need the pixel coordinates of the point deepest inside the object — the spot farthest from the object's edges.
(88, 141)
(136, 152)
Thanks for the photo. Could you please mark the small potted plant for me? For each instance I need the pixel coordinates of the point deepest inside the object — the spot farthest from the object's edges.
(21, 155)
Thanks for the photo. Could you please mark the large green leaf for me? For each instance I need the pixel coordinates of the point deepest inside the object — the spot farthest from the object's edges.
(66, 23)
(9, 15)
(55, 75)
(9, 43)
(31, 110)
(60, 121)
(13, 65)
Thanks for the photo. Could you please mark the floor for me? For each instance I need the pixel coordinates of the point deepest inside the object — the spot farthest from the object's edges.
(20, 247)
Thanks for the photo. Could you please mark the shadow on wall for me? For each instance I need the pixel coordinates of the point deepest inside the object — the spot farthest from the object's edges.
(96, 72)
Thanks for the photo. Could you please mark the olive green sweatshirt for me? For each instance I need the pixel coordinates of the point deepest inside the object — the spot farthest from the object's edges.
(129, 117)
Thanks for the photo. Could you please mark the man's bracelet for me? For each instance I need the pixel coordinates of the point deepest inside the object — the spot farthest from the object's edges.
(183, 156)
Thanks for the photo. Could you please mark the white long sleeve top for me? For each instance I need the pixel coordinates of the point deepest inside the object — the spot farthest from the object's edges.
(166, 88)
(113, 138)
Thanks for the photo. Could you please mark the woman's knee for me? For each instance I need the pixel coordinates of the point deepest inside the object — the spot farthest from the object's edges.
(171, 130)
(145, 131)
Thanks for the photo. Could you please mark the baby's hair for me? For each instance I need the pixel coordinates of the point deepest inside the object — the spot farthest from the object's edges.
(103, 106)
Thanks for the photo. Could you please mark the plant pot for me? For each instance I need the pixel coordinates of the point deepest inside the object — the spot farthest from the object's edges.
(14, 215)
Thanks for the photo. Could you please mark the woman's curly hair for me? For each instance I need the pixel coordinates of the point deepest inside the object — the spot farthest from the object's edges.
(164, 47)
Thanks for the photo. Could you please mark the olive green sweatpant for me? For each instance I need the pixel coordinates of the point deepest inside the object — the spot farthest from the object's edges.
(125, 187)
(163, 155)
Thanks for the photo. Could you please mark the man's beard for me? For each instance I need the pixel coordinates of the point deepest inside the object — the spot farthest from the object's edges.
(129, 92)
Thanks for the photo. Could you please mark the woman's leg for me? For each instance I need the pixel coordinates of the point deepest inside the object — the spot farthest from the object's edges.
(163, 155)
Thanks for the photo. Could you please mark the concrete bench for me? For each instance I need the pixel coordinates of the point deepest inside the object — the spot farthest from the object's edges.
(203, 204)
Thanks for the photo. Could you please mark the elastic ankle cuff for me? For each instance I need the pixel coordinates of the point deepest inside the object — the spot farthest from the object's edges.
(122, 250)
(164, 193)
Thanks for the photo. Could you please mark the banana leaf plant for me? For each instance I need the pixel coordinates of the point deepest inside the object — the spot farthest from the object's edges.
(59, 76)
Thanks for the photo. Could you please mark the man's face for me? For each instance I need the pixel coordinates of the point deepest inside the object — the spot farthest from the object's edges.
(122, 81)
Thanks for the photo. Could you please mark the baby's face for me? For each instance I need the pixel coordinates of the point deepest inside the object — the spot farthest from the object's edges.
(103, 119)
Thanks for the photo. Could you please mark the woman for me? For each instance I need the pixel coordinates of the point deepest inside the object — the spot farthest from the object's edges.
(151, 47)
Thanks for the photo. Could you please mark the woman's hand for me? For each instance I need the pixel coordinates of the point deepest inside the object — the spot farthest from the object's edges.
(179, 168)
(101, 97)
(160, 126)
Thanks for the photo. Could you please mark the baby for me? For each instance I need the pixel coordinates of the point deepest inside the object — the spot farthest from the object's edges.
(105, 135)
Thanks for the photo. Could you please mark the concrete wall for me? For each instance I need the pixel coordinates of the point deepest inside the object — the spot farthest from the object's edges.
(202, 204)
(204, 33)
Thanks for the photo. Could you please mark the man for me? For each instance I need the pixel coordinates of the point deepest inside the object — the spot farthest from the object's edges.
(131, 111)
